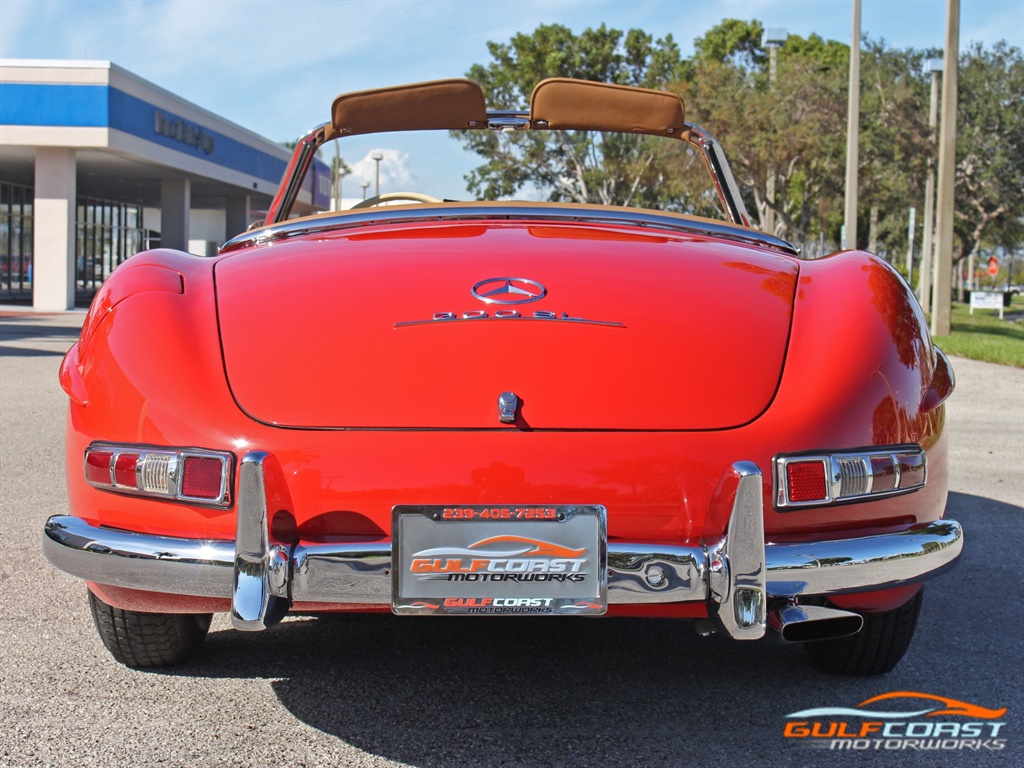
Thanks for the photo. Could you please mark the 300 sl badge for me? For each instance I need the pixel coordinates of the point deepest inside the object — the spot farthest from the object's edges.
(507, 314)
(508, 290)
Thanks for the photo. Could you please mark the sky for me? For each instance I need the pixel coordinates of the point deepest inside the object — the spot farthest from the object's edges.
(274, 66)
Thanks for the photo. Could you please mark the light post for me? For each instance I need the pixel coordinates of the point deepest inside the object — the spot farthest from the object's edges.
(852, 135)
(942, 303)
(341, 170)
(364, 185)
(773, 39)
(924, 285)
(910, 245)
(377, 157)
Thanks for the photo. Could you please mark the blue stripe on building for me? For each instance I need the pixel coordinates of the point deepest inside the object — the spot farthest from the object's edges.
(101, 106)
(74, 106)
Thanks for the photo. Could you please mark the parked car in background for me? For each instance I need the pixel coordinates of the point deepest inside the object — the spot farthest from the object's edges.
(450, 408)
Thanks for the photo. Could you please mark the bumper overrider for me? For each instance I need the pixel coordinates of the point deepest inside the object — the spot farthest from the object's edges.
(737, 576)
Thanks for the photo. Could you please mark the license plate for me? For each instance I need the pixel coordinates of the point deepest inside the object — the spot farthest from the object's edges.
(499, 560)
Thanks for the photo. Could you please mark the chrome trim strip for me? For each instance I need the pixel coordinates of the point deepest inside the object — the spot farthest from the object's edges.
(342, 573)
(256, 603)
(865, 563)
(557, 320)
(511, 120)
(721, 174)
(471, 212)
(834, 475)
(175, 471)
(295, 174)
(139, 560)
(655, 573)
(357, 572)
(737, 563)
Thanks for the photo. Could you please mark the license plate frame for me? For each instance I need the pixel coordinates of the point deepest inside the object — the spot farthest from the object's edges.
(499, 559)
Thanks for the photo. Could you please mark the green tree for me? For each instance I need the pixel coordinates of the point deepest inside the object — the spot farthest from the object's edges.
(792, 129)
(990, 149)
(894, 145)
(733, 42)
(604, 168)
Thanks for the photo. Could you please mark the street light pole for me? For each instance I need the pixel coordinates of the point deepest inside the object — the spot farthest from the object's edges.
(924, 285)
(364, 185)
(377, 157)
(773, 38)
(942, 303)
(852, 135)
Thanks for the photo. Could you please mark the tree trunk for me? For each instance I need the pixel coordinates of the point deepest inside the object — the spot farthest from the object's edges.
(873, 230)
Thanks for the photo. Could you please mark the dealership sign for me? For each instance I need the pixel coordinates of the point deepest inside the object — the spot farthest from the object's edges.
(182, 130)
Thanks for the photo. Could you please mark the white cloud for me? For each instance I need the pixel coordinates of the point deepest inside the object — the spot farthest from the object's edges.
(274, 67)
(395, 175)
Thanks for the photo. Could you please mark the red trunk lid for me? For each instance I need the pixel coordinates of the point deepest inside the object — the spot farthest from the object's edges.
(635, 329)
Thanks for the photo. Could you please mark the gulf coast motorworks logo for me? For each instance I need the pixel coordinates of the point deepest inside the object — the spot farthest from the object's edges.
(943, 724)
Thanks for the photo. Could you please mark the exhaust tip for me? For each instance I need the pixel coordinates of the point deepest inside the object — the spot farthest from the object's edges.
(806, 623)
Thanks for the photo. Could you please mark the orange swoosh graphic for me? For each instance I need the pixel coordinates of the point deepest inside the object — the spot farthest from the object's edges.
(539, 547)
(952, 706)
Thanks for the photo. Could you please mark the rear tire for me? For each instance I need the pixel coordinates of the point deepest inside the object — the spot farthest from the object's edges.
(139, 639)
(876, 649)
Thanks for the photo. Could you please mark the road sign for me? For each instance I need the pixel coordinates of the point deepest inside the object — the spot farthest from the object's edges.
(993, 266)
(987, 300)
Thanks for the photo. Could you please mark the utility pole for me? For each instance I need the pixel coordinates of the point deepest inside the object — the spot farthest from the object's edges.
(910, 245)
(924, 285)
(942, 302)
(852, 135)
(336, 192)
(773, 38)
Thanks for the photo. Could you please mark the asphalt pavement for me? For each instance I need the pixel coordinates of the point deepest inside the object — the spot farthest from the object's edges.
(384, 691)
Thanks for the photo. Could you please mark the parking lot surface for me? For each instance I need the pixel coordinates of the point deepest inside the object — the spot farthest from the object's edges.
(386, 691)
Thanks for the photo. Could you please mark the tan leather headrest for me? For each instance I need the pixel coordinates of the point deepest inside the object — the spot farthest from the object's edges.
(582, 105)
(435, 105)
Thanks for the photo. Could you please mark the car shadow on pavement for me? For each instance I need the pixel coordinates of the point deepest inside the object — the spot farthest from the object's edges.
(573, 691)
(54, 340)
(514, 691)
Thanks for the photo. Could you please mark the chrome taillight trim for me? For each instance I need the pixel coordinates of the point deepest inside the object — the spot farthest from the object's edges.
(848, 466)
(149, 460)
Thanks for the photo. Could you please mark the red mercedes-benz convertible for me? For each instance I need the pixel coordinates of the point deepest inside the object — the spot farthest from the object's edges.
(444, 408)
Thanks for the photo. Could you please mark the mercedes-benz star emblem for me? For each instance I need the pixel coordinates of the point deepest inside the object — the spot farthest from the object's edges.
(509, 290)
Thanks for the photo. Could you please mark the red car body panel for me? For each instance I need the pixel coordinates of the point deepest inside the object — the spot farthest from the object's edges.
(848, 313)
(660, 368)
(509, 408)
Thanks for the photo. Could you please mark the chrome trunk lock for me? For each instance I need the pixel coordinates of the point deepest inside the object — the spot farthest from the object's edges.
(508, 402)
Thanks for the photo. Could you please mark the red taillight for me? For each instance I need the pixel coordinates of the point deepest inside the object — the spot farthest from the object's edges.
(806, 481)
(812, 481)
(180, 475)
(202, 478)
(97, 467)
(124, 470)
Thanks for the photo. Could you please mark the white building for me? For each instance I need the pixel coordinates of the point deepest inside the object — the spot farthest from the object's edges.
(97, 164)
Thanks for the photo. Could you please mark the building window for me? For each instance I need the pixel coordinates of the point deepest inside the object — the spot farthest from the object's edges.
(107, 233)
(15, 242)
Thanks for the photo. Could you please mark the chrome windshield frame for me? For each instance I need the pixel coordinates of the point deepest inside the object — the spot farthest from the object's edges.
(509, 120)
(294, 175)
(550, 212)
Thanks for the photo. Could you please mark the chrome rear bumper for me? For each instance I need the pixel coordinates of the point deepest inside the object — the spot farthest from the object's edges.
(736, 576)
